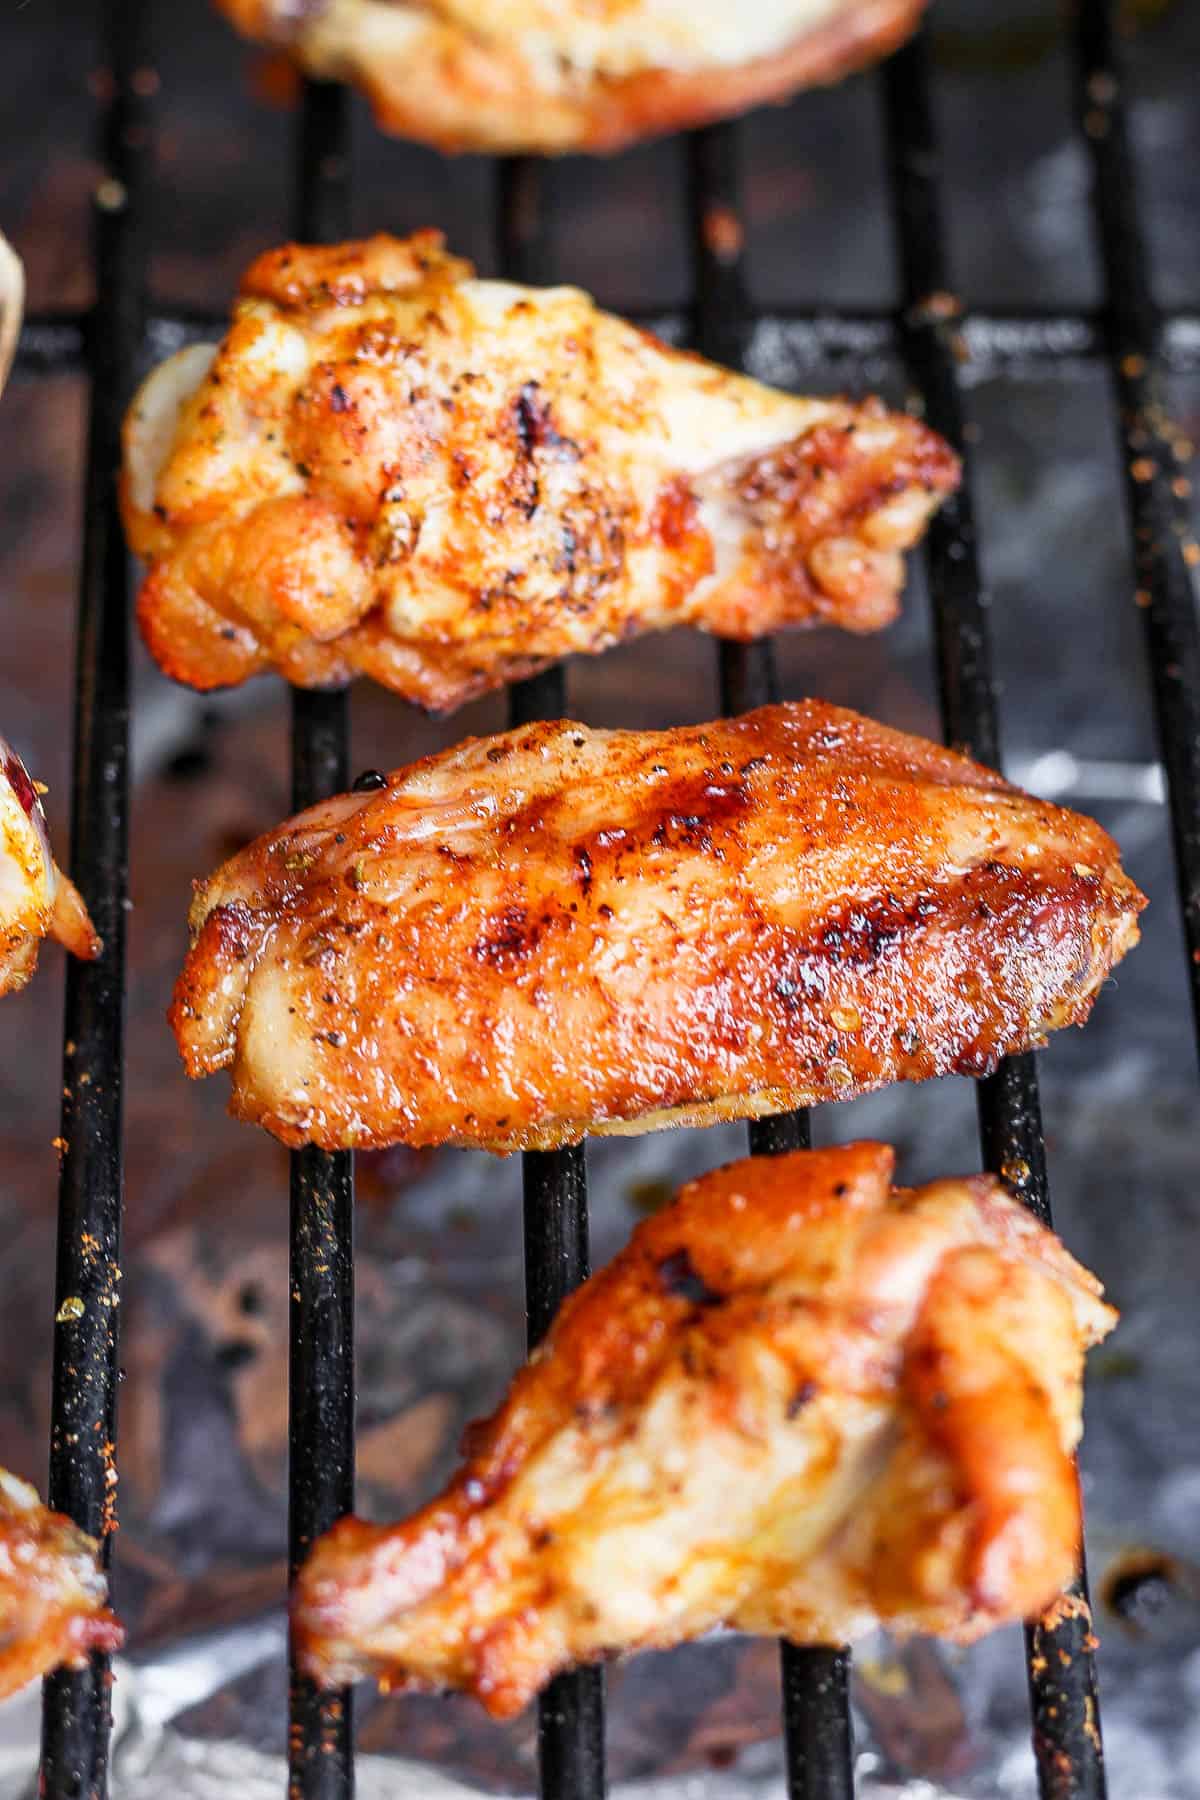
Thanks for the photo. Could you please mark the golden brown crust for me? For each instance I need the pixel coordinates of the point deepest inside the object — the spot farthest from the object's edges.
(390, 468)
(459, 92)
(720, 920)
(799, 1402)
(52, 1594)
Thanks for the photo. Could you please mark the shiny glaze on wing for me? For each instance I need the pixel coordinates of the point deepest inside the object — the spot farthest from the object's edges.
(390, 468)
(52, 1593)
(36, 899)
(800, 1402)
(560, 930)
(558, 75)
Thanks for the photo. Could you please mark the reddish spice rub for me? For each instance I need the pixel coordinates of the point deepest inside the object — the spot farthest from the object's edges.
(561, 931)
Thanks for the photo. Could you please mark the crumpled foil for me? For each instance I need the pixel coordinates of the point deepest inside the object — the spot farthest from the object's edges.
(199, 1562)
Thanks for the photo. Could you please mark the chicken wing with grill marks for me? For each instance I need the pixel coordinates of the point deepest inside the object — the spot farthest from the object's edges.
(52, 1592)
(800, 1402)
(560, 930)
(391, 468)
(557, 75)
(36, 899)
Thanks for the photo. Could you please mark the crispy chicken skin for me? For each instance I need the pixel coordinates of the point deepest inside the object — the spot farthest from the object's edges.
(559, 931)
(36, 899)
(391, 468)
(557, 75)
(52, 1592)
(800, 1402)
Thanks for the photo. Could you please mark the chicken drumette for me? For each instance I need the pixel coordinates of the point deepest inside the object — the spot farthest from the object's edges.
(800, 1402)
(391, 468)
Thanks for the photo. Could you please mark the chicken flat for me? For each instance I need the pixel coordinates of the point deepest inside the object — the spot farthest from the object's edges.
(52, 1592)
(800, 1402)
(391, 468)
(12, 305)
(559, 930)
(557, 75)
(36, 899)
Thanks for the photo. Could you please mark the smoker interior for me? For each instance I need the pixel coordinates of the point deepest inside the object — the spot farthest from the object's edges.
(943, 357)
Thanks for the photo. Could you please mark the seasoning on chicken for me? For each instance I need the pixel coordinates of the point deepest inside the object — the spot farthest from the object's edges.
(557, 75)
(800, 1402)
(36, 899)
(559, 931)
(391, 468)
(52, 1592)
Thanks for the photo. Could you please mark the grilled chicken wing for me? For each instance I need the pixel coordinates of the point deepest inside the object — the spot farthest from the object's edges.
(36, 898)
(391, 468)
(560, 930)
(800, 1402)
(557, 75)
(52, 1593)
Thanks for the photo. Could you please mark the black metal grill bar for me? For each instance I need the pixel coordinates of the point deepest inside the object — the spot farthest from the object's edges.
(76, 1716)
(321, 1310)
(571, 1763)
(816, 1680)
(1016, 344)
(1164, 549)
(1061, 1668)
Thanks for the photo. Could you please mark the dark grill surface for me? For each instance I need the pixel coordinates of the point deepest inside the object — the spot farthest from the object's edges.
(113, 342)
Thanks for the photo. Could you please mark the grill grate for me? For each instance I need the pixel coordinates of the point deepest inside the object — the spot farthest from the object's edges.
(112, 342)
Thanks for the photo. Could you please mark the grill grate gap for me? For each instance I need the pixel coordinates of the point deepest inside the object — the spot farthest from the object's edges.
(1059, 1648)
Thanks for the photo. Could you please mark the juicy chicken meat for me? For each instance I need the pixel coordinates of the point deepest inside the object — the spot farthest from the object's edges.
(801, 1402)
(558, 75)
(391, 468)
(52, 1592)
(36, 898)
(559, 930)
